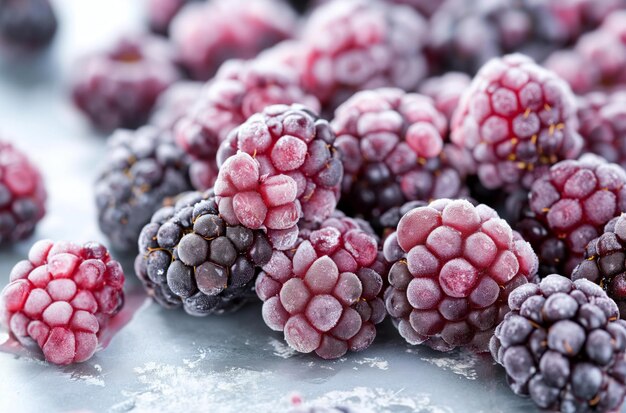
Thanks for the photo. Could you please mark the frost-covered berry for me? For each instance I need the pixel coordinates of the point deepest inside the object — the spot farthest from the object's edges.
(454, 265)
(174, 103)
(61, 299)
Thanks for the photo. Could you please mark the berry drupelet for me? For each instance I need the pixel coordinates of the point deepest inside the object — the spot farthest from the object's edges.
(142, 169)
(392, 146)
(517, 119)
(454, 265)
(325, 293)
(291, 141)
(561, 345)
(27, 25)
(190, 256)
(117, 88)
(605, 262)
(569, 206)
(207, 34)
(362, 44)
(61, 298)
(22, 195)
(239, 90)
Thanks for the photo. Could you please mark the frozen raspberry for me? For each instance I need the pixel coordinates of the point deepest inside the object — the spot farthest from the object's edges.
(174, 103)
(570, 205)
(517, 119)
(27, 24)
(118, 87)
(454, 267)
(189, 256)
(325, 293)
(603, 125)
(142, 169)
(291, 141)
(162, 12)
(209, 33)
(61, 298)
(446, 91)
(239, 90)
(604, 262)
(362, 44)
(392, 146)
(22, 195)
(561, 345)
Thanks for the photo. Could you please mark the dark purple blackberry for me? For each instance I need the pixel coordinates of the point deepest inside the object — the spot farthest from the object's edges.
(142, 169)
(27, 24)
(189, 256)
(117, 88)
(561, 345)
(605, 262)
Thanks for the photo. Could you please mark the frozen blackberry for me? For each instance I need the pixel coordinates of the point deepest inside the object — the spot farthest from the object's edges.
(362, 44)
(22, 195)
(446, 91)
(174, 103)
(207, 34)
(61, 298)
(117, 88)
(392, 146)
(290, 141)
(517, 119)
(325, 293)
(561, 346)
(604, 262)
(190, 256)
(603, 125)
(27, 24)
(239, 90)
(454, 265)
(142, 169)
(570, 205)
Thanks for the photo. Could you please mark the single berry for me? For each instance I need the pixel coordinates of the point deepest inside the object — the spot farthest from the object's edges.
(142, 169)
(446, 91)
(290, 141)
(393, 151)
(61, 299)
(209, 33)
(27, 24)
(239, 90)
(454, 265)
(118, 87)
(190, 256)
(561, 345)
(605, 262)
(569, 206)
(325, 294)
(362, 44)
(174, 103)
(517, 119)
(22, 195)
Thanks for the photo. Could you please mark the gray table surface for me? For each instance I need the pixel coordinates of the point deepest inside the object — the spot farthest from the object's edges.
(167, 361)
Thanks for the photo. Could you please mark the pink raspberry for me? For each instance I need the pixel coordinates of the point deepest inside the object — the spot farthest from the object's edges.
(454, 265)
(392, 144)
(239, 90)
(517, 119)
(325, 293)
(210, 33)
(292, 141)
(362, 44)
(61, 298)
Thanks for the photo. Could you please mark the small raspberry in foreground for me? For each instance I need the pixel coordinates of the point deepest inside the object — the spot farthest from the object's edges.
(517, 119)
(454, 265)
(61, 298)
(117, 88)
(22, 195)
(561, 345)
(325, 293)
(189, 256)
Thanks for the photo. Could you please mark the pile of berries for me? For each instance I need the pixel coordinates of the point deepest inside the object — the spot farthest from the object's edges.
(457, 166)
